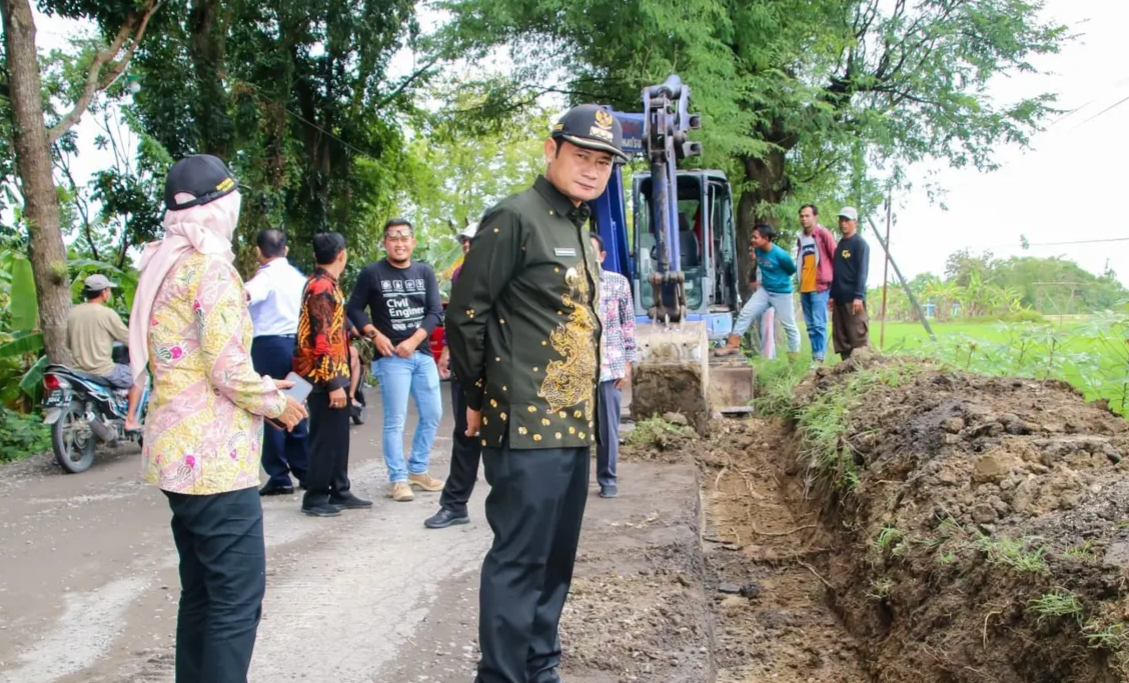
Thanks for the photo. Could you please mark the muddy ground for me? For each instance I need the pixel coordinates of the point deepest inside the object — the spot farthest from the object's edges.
(958, 530)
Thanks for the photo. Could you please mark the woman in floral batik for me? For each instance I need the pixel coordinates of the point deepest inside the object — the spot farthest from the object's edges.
(191, 331)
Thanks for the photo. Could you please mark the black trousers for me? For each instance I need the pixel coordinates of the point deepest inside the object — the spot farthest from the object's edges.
(466, 452)
(222, 581)
(535, 508)
(329, 450)
(283, 452)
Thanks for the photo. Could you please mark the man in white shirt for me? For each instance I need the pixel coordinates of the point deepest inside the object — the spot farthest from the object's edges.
(274, 297)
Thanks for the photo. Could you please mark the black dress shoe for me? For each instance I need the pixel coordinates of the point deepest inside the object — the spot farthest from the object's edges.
(445, 518)
(276, 490)
(321, 510)
(347, 501)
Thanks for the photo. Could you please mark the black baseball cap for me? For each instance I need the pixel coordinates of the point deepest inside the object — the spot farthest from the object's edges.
(203, 176)
(592, 127)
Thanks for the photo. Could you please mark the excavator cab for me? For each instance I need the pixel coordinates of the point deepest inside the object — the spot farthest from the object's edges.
(707, 250)
(680, 255)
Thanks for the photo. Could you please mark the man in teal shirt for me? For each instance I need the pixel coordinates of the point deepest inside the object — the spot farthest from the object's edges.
(773, 290)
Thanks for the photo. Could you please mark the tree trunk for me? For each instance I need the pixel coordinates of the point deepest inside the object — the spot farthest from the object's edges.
(768, 182)
(33, 163)
(208, 51)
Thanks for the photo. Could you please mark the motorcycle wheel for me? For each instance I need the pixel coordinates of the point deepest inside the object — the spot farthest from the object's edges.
(72, 440)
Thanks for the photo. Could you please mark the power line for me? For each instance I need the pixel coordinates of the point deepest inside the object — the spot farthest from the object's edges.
(1073, 242)
(1110, 107)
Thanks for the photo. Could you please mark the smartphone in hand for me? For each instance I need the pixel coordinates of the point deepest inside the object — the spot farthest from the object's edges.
(300, 391)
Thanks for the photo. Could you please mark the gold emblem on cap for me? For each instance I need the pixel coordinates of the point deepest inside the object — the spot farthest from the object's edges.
(603, 119)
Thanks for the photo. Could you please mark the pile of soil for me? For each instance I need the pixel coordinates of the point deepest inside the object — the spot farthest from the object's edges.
(985, 534)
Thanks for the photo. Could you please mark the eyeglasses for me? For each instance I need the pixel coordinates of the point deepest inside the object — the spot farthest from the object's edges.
(399, 236)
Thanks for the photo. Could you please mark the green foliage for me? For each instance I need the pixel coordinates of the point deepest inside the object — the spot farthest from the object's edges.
(822, 424)
(297, 97)
(776, 383)
(800, 100)
(1059, 603)
(657, 432)
(22, 436)
(1015, 553)
(1080, 552)
(24, 309)
(887, 537)
(1093, 355)
(1018, 289)
(880, 588)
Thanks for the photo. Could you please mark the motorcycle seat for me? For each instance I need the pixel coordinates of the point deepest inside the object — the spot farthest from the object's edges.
(94, 379)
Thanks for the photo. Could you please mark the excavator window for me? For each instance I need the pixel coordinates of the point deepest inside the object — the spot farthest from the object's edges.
(692, 250)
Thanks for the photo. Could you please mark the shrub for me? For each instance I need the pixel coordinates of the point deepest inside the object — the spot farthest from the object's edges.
(22, 436)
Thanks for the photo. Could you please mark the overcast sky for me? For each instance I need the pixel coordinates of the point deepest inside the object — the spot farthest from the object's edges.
(1063, 190)
(1066, 189)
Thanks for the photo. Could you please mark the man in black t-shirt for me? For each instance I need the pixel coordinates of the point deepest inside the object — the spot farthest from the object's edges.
(849, 322)
(402, 297)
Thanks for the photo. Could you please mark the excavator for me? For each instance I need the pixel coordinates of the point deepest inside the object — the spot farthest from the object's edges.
(679, 253)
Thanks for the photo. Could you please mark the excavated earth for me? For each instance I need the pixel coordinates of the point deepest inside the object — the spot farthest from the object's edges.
(974, 530)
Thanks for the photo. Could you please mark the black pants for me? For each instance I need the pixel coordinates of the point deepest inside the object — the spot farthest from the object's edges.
(466, 452)
(283, 452)
(222, 581)
(535, 508)
(329, 450)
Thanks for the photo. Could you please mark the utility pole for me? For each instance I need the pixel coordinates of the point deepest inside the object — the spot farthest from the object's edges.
(902, 279)
(885, 270)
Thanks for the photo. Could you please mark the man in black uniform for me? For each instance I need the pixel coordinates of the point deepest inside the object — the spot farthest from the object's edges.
(524, 336)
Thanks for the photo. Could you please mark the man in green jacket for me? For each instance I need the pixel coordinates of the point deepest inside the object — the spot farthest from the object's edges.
(524, 336)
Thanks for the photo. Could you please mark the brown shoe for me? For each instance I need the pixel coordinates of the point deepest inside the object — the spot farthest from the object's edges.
(401, 492)
(426, 482)
(732, 346)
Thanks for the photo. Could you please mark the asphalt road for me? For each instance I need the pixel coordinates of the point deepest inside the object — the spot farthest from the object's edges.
(88, 580)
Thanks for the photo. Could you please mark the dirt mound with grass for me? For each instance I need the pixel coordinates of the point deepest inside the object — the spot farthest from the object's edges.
(982, 524)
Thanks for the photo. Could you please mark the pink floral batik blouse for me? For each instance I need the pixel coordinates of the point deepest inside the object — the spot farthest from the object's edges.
(204, 429)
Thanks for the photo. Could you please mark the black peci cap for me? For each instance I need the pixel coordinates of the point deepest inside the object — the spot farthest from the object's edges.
(591, 127)
(203, 176)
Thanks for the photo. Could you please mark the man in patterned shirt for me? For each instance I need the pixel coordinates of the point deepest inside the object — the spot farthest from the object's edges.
(617, 353)
(321, 356)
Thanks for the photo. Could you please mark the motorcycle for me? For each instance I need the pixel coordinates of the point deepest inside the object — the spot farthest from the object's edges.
(85, 410)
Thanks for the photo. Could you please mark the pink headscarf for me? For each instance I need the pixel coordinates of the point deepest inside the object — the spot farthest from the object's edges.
(208, 229)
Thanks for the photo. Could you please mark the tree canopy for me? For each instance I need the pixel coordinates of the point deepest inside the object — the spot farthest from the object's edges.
(802, 100)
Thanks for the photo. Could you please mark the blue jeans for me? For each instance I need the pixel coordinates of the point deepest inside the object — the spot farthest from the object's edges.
(815, 318)
(760, 302)
(400, 377)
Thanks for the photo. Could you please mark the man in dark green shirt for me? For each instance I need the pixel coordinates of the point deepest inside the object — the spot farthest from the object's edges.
(524, 338)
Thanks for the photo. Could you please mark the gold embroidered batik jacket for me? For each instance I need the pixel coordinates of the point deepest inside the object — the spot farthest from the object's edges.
(522, 324)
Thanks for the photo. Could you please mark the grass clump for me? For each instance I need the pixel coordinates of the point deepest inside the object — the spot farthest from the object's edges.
(887, 537)
(1080, 552)
(880, 588)
(1014, 553)
(655, 431)
(1059, 603)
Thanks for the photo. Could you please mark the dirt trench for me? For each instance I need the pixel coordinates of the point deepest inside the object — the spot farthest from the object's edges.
(764, 554)
(956, 529)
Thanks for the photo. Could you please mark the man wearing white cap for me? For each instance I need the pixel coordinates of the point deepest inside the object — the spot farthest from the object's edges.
(849, 322)
(466, 451)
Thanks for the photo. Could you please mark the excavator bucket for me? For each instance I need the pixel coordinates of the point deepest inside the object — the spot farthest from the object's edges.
(675, 374)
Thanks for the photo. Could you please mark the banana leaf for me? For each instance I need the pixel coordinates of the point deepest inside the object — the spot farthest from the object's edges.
(22, 344)
(25, 310)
